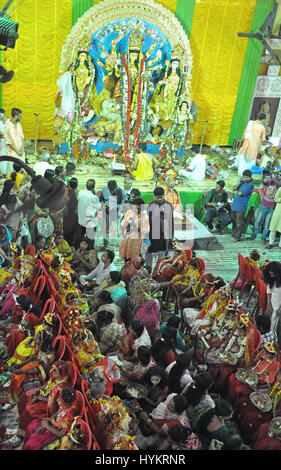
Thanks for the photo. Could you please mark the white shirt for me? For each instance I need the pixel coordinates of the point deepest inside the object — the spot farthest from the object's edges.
(86, 200)
(275, 297)
(100, 273)
(185, 379)
(41, 167)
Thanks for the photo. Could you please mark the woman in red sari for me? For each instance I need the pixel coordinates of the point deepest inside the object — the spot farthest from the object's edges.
(18, 332)
(42, 401)
(242, 343)
(131, 268)
(266, 438)
(41, 433)
(166, 268)
(250, 418)
(267, 365)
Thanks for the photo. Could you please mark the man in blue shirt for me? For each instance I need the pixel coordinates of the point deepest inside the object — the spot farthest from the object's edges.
(243, 190)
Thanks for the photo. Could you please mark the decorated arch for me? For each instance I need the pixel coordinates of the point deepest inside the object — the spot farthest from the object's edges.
(126, 70)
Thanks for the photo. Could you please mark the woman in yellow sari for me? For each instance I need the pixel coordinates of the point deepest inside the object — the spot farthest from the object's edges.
(25, 349)
(86, 350)
(62, 247)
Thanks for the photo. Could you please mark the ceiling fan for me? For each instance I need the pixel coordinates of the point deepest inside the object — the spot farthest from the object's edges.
(265, 31)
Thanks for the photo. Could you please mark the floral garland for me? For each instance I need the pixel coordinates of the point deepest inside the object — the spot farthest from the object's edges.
(135, 142)
(275, 397)
(127, 109)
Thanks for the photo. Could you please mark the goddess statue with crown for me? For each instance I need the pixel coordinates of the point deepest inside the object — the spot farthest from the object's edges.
(170, 90)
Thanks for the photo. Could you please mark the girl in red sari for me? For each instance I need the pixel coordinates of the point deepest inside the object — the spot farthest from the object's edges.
(242, 343)
(42, 401)
(41, 433)
(166, 268)
(18, 332)
(267, 365)
(250, 418)
(266, 438)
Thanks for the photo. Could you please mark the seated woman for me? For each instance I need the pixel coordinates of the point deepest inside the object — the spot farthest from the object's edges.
(191, 269)
(26, 347)
(180, 438)
(22, 306)
(155, 381)
(85, 258)
(113, 423)
(166, 268)
(108, 331)
(131, 372)
(116, 287)
(179, 372)
(60, 272)
(41, 433)
(62, 247)
(40, 401)
(242, 343)
(32, 372)
(131, 268)
(267, 437)
(44, 249)
(86, 349)
(198, 398)
(214, 335)
(19, 331)
(213, 424)
(137, 336)
(156, 425)
(174, 321)
(164, 348)
(266, 367)
(214, 307)
(75, 439)
(149, 315)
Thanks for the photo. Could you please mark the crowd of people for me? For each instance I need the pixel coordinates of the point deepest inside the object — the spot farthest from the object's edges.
(157, 355)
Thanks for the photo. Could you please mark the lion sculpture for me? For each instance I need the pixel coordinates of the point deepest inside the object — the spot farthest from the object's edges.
(109, 121)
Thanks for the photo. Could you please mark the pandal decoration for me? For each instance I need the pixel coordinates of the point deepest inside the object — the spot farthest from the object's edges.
(136, 19)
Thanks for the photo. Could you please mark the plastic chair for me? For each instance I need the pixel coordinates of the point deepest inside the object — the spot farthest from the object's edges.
(202, 265)
(79, 404)
(94, 441)
(48, 307)
(71, 373)
(38, 288)
(59, 346)
(257, 274)
(262, 298)
(30, 250)
(91, 415)
(249, 277)
(85, 428)
(241, 272)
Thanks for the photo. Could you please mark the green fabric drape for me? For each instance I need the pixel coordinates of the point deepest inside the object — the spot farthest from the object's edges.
(79, 7)
(184, 13)
(249, 72)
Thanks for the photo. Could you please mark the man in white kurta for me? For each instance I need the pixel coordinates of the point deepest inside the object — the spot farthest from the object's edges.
(5, 167)
(14, 136)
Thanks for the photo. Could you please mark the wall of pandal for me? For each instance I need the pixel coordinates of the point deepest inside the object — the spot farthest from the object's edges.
(269, 86)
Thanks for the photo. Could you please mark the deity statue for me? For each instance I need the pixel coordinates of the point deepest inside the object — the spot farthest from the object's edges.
(77, 89)
(169, 89)
(127, 80)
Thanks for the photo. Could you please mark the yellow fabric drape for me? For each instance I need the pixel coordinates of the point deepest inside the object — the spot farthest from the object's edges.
(43, 27)
(218, 55)
(169, 4)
